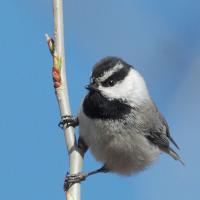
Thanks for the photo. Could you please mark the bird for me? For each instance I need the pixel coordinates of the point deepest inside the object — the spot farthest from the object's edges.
(119, 122)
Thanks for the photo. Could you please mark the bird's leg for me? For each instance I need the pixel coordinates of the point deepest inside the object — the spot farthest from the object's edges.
(67, 121)
(82, 146)
(75, 178)
(70, 179)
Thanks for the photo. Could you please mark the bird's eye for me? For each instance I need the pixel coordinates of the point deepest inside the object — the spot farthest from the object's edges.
(111, 83)
(108, 83)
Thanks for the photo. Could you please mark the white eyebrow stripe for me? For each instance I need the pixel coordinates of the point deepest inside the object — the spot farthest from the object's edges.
(107, 74)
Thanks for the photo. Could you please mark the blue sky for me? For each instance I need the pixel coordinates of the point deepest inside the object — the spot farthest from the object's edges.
(160, 38)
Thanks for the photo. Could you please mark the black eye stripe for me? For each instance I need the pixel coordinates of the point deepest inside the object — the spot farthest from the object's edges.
(117, 76)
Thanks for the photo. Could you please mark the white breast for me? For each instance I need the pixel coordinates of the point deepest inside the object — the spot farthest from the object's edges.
(117, 144)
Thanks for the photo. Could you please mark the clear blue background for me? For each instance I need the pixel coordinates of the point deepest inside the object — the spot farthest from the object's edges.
(160, 38)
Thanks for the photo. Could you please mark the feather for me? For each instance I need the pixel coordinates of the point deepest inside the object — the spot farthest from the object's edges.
(173, 154)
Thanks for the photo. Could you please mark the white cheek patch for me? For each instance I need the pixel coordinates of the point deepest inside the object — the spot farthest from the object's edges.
(118, 91)
(107, 74)
(132, 89)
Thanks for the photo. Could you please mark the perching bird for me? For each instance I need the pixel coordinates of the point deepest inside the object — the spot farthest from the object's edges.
(119, 122)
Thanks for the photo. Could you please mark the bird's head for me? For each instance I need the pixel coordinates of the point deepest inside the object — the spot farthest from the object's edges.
(117, 80)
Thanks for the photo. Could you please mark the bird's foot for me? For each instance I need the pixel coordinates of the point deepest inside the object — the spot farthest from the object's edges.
(71, 179)
(67, 121)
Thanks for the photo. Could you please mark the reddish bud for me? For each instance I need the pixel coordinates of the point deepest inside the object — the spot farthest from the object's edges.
(57, 84)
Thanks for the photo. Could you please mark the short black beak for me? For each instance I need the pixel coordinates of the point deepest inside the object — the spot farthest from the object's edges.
(92, 87)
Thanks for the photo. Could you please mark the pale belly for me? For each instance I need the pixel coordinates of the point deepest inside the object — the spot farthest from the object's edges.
(117, 146)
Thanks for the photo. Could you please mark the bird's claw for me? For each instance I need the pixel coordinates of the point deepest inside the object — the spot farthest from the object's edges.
(67, 121)
(71, 179)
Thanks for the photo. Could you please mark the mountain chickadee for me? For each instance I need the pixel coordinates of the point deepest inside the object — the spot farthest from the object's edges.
(119, 122)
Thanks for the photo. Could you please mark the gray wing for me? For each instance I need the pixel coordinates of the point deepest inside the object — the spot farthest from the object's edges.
(156, 130)
(162, 138)
(160, 135)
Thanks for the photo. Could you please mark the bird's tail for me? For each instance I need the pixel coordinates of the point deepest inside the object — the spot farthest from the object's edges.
(173, 154)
